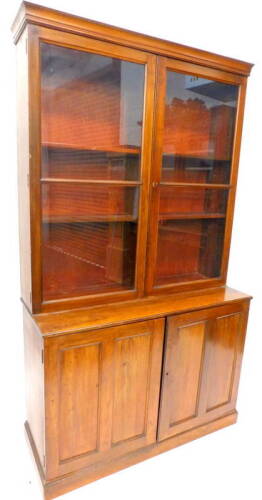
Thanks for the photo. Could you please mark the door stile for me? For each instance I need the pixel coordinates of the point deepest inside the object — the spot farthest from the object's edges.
(146, 159)
(156, 171)
(34, 96)
(234, 173)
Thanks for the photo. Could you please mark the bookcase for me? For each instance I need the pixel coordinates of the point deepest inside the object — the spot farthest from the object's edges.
(128, 151)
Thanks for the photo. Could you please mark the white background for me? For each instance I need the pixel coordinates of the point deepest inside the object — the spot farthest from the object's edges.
(226, 464)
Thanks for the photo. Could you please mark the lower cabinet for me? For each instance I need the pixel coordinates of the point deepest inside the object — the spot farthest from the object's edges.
(102, 387)
(203, 352)
(102, 394)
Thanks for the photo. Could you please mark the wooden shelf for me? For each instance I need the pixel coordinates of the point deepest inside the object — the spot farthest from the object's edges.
(91, 181)
(183, 278)
(175, 216)
(196, 185)
(88, 218)
(107, 149)
(197, 156)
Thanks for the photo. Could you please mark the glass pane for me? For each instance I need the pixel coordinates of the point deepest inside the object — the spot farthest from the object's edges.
(92, 112)
(191, 202)
(88, 238)
(87, 258)
(199, 122)
(189, 250)
(198, 129)
(91, 125)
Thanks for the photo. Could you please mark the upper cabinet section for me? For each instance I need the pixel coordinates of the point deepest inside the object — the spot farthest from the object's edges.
(90, 126)
(128, 161)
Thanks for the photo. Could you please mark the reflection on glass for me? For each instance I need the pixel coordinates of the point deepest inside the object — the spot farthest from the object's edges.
(198, 129)
(92, 111)
(91, 125)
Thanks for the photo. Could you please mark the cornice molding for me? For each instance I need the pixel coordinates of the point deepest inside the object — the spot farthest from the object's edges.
(30, 13)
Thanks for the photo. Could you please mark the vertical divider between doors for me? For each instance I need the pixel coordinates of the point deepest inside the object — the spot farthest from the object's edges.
(155, 173)
(146, 159)
(158, 428)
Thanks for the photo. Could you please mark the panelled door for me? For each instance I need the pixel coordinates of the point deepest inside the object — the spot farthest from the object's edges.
(201, 369)
(102, 393)
(196, 141)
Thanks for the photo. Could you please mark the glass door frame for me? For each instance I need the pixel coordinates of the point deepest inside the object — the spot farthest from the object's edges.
(163, 65)
(36, 36)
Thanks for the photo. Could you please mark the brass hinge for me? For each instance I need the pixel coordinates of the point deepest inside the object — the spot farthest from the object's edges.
(42, 356)
(28, 180)
(44, 461)
(26, 45)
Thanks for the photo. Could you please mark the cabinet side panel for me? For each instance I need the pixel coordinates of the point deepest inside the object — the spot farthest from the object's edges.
(34, 379)
(23, 169)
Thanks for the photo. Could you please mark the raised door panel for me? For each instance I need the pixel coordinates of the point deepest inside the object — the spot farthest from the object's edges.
(187, 356)
(132, 358)
(201, 369)
(222, 360)
(222, 365)
(102, 394)
(184, 354)
(79, 376)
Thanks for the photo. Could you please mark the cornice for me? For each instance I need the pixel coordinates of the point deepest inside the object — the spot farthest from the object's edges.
(30, 13)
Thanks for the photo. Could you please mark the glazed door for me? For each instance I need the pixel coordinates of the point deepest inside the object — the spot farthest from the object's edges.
(95, 145)
(102, 394)
(193, 176)
(202, 360)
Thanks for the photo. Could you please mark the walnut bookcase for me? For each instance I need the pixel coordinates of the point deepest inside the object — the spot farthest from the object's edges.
(128, 150)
